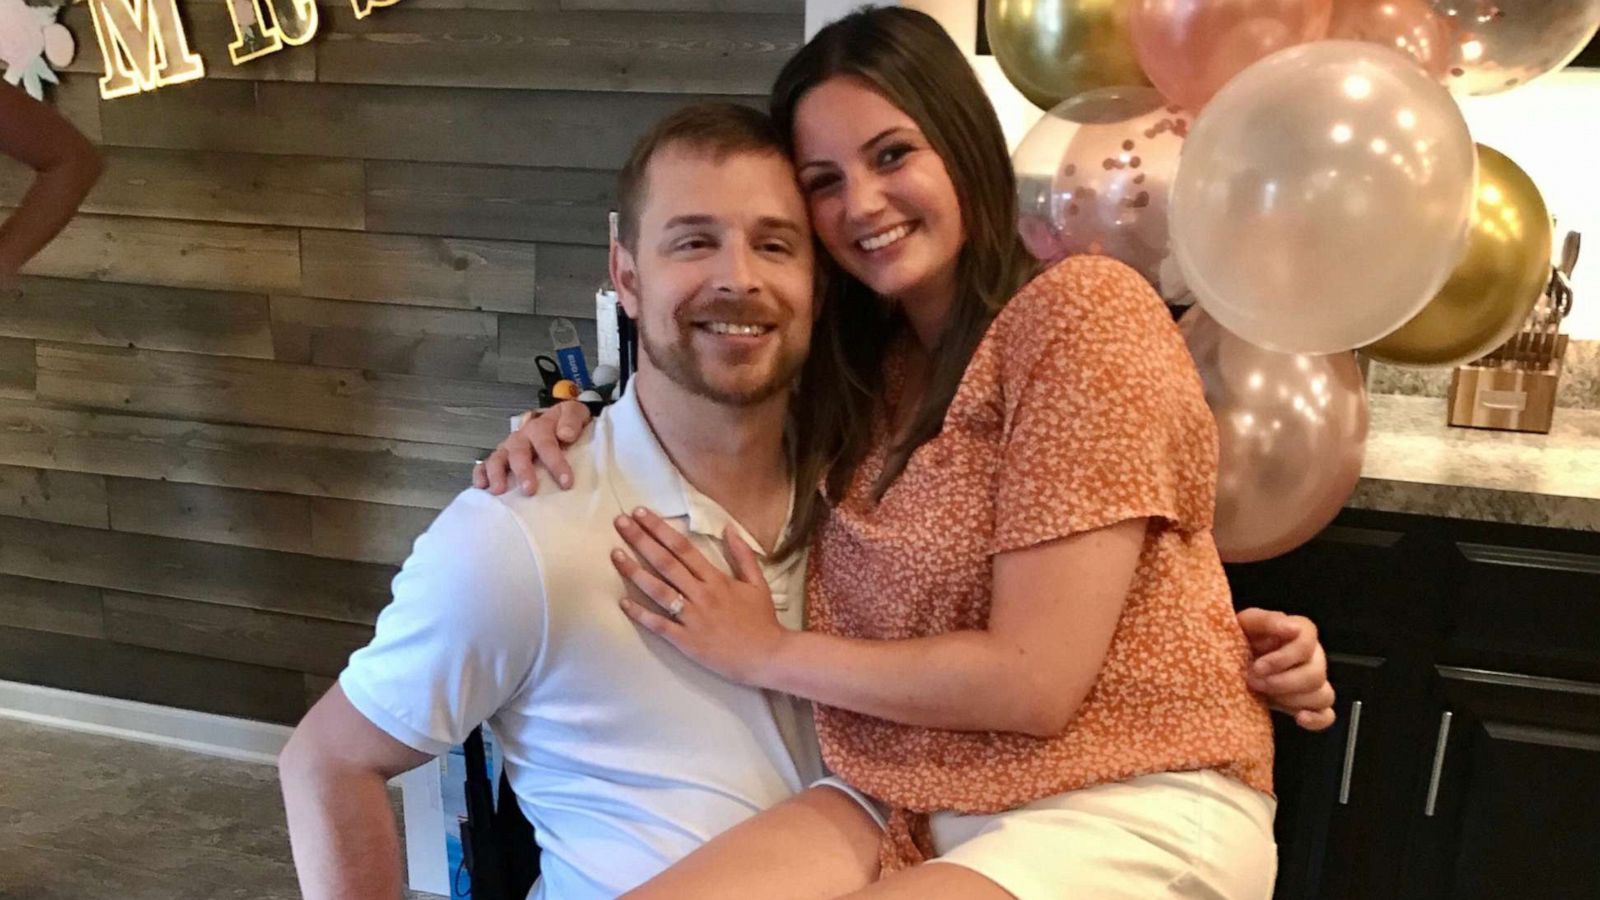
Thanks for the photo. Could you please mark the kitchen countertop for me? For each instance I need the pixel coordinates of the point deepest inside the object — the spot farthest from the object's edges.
(1416, 463)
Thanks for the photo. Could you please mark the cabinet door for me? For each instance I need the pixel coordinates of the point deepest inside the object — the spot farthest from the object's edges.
(1510, 804)
(1366, 581)
(1528, 601)
(1336, 809)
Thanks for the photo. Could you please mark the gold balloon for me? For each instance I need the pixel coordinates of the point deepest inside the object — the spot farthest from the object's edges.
(1055, 49)
(1497, 282)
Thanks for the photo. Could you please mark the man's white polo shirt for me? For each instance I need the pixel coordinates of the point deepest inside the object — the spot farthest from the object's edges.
(624, 753)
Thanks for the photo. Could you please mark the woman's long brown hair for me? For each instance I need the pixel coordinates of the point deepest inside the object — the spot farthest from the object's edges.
(907, 57)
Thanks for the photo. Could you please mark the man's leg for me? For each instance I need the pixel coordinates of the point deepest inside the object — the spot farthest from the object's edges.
(818, 845)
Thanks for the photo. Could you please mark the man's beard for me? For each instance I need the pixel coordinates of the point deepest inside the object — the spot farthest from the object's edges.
(677, 360)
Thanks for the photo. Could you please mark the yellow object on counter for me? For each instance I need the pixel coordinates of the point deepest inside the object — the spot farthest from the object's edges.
(565, 389)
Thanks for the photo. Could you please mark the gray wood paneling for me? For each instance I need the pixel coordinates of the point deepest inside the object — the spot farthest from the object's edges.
(319, 526)
(279, 395)
(420, 271)
(249, 258)
(241, 188)
(792, 8)
(369, 532)
(706, 53)
(559, 129)
(227, 632)
(560, 205)
(408, 340)
(216, 515)
(71, 498)
(190, 570)
(77, 98)
(151, 676)
(315, 687)
(51, 606)
(109, 314)
(266, 459)
(17, 368)
(569, 275)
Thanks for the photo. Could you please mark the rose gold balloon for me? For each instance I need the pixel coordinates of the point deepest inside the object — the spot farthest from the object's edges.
(1190, 48)
(1094, 175)
(1293, 430)
(1410, 26)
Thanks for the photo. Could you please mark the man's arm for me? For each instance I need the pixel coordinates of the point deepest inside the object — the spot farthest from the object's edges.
(455, 645)
(334, 772)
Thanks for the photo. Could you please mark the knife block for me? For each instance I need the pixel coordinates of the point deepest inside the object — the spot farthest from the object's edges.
(1489, 396)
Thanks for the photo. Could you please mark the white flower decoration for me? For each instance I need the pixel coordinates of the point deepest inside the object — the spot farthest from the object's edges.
(31, 42)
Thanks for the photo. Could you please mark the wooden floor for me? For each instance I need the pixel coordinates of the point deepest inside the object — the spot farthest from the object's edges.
(84, 817)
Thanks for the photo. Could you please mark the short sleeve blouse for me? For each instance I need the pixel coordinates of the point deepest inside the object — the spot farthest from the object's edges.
(1080, 408)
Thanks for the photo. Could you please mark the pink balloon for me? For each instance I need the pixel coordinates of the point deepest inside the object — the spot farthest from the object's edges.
(1410, 26)
(1190, 48)
(1292, 429)
(1094, 177)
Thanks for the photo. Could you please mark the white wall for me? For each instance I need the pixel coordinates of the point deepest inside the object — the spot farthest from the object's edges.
(1551, 128)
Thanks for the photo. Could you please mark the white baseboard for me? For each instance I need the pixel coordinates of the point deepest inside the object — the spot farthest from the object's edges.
(208, 733)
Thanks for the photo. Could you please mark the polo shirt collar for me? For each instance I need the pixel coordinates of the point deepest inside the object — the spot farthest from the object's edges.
(645, 476)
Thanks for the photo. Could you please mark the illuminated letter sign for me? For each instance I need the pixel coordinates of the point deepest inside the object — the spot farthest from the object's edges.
(144, 46)
(264, 26)
(364, 8)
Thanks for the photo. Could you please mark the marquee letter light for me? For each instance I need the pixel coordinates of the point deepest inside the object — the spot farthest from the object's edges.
(364, 8)
(144, 46)
(260, 28)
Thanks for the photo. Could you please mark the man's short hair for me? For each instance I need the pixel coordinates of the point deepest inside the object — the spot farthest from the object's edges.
(718, 130)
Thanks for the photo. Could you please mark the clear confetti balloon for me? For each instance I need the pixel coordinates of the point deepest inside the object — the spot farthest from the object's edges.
(1094, 176)
(1503, 44)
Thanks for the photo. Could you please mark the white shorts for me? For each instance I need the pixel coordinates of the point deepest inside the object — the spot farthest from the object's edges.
(1170, 835)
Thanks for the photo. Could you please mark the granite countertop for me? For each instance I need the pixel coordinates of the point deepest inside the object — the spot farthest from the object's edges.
(1416, 463)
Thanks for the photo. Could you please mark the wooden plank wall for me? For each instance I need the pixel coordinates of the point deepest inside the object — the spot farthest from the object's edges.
(304, 295)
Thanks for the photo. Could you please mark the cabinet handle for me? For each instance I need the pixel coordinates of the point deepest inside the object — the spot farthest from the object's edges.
(1438, 763)
(1350, 752)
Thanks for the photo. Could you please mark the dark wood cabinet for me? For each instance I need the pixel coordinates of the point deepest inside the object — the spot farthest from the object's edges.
(1335, 791)
(1466, 760)
(1510, 806)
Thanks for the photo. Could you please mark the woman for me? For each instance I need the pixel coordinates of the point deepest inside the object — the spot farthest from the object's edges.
(1022, 642)
(66, 164)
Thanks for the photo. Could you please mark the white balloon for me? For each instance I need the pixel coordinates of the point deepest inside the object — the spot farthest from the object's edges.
(1323, 197)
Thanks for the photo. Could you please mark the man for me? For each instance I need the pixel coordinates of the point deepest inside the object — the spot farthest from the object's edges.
(625, 755)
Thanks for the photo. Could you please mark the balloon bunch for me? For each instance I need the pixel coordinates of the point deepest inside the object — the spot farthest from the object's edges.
(1302, 170)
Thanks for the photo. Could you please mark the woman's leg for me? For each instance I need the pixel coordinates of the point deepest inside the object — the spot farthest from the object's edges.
(817, 845)
(934, 880)
(1189, 835)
